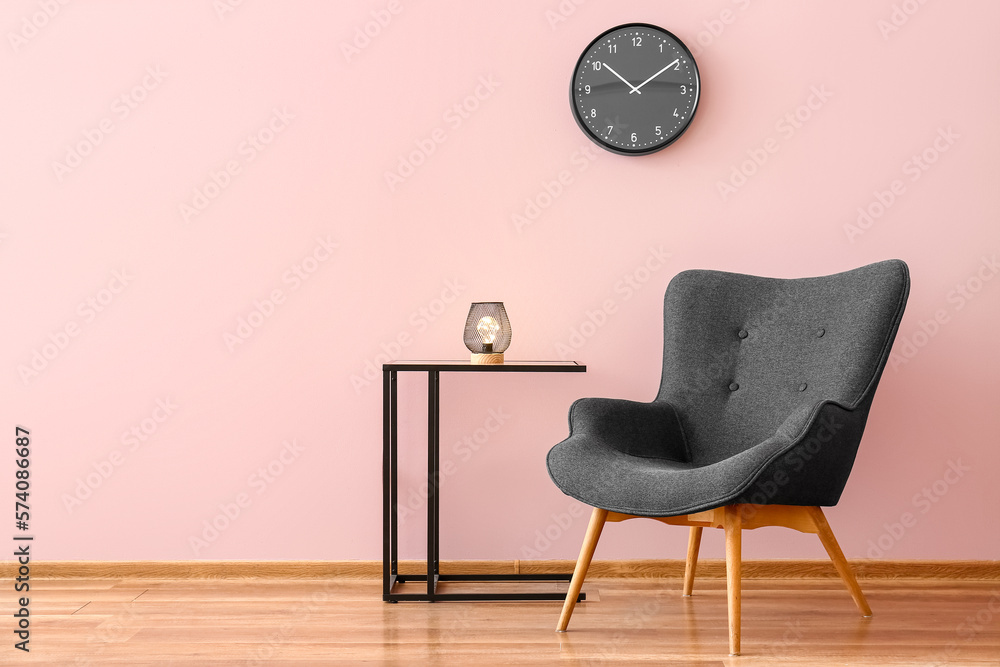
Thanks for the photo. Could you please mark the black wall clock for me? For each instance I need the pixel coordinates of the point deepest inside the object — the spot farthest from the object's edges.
(635, 89)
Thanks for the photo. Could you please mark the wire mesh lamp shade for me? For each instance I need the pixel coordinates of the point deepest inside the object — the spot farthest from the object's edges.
(487, 332)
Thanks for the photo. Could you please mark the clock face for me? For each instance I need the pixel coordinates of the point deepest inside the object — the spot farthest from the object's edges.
(635, 89)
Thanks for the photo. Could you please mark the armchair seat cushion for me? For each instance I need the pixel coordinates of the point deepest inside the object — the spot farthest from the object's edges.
(602, 476)
(805, 462)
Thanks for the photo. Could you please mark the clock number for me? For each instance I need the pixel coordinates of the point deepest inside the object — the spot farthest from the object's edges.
(637, 41)
(634, 138)
(610, 127)
(586, 89)
(677, 66)
(612, 48)
(593, 113)
(661, 47)
(684, 89)
(675, 113)
(658, 131)
(597, 65)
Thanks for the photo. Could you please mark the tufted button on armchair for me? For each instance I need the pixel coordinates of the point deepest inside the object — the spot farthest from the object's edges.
(764, 395)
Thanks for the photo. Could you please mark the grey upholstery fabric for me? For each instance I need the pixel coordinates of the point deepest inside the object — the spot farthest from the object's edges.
(764, 395)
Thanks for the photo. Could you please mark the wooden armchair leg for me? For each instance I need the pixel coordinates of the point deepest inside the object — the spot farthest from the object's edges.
(839, 561)
(694, 543)
(734, 555)
(597, 519)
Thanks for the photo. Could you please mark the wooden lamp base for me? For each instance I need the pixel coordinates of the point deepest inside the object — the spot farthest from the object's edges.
(488, 358)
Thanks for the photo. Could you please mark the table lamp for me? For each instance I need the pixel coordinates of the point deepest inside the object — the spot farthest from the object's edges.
(487, 332)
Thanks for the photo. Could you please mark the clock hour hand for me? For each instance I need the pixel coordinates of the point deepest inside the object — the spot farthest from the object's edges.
(636, 88)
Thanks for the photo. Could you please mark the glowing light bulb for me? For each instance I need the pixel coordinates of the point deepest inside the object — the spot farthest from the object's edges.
(487, 332)
(488, 329)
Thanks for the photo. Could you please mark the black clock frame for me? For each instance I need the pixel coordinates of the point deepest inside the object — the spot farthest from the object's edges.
(596, 138)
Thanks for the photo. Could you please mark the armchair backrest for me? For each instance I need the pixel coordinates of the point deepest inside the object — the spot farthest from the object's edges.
(742, 353)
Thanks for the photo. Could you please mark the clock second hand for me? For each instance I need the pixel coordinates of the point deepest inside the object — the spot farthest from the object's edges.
(636, 88)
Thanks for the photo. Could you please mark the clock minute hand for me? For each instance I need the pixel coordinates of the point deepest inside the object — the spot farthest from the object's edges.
(636, 89)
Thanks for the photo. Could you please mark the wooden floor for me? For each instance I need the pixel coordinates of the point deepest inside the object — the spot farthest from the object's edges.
(625, 621)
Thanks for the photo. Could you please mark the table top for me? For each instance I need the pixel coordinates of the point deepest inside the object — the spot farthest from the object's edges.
(506, 366)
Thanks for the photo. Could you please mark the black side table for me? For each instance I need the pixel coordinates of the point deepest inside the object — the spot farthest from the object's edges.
(390, 561)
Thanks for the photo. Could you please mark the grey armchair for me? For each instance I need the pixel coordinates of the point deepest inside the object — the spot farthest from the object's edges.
(764, 395)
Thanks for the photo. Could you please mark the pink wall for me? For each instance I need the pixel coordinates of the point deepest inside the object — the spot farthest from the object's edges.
(171, 168)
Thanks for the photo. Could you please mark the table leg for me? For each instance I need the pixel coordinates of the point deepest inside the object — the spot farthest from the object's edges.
(388, 429)
(394, 480)
(433, 478)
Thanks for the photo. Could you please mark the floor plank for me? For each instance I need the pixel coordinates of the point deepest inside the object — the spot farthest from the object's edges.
(626, 621)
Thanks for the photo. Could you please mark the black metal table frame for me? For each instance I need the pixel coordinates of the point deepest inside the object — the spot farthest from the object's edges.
(390, 491)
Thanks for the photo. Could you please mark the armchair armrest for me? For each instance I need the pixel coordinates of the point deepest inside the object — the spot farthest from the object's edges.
(650, 430)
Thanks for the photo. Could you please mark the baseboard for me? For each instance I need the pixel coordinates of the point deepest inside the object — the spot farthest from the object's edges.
(978, 570)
